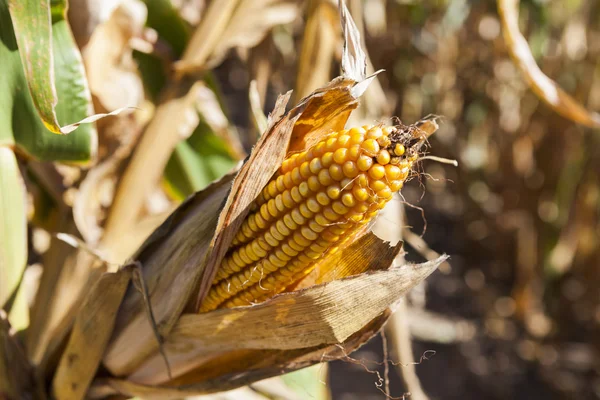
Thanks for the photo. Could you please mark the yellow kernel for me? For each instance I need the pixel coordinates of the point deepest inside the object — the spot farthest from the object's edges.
(339, 208)
(296, 176)
(364, 163)
(287, 180)
(313, 183)
(343, 141)
(297, 217)
(374, 133)
(348, 200)
(392, 172)
(272, 208)
(333, 192)
(244, 256)
(295, 246)
(329, 237)
(316, 227)
(336, 172)
(319, 149)
(327, 159)
(357, 130)
(275, 233)
(362, 180)
(350, 169)
(305, 169)
(377, 185)
(258, 252)
(396, 186)
(340, 155)
(301, 237)
(355, 217)
(282, 228)
(288, 250)
(315, 165)
(276, 261)
(260, 221)
(304, 190)
(356, 137)
(354, 152)
(399, 149)
(288, 200)
(285, 165)
(330, 214)
(388, 129)
(385, 193)
(252, 222)
(383, 157)
(312, 206)
(289, 221)
(321, 220)
(272, 189)
(322, 198)
(370, 147)
(377, 171)
(324, 177)
(331, 144)
(362, 207)
(280, 184)
(279, 203)
(270, 239)
(360, 194)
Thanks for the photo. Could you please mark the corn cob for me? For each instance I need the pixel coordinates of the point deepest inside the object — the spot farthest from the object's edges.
(316, 200)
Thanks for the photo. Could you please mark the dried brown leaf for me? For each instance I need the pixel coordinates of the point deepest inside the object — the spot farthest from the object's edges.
(16, 380)
(172, 261)
(89, 336)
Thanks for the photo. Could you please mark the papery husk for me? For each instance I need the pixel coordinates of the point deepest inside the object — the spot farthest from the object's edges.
(229, 348)
(266, 363)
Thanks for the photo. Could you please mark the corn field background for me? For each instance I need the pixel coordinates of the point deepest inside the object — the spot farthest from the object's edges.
(514, 313)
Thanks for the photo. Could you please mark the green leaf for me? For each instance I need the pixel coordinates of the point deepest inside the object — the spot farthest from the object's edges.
(13, 226)
(165, 19)
(198, 161)
(20, 123)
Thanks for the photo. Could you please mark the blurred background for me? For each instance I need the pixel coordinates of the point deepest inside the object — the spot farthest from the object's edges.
(516, 312)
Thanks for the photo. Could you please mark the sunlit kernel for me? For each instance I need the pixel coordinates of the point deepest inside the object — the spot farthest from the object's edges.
(364, 163)
(324, 177)
(339, 208)
(322, 198)
(327, 159)
(370, 147)
(312, 205)
(340, 155)
(377, 171)
(350, 169)
(392, 172)
(377, 185)
(354, 152)
(333, 192)
(315, 165)
(313, 183)
(374, 133)
(305, 169)
(361, 194)
(336, 172)
(343, 141)
(383, 157)
(348, 200)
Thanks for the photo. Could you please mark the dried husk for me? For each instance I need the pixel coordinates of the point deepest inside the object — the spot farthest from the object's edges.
(226, 349)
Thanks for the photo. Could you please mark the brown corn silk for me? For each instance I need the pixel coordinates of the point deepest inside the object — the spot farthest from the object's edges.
(313, 206)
